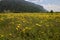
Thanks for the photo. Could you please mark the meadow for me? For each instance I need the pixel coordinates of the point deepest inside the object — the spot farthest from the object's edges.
(30, 26)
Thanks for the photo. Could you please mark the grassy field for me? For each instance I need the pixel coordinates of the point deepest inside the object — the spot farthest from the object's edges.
(28, 26)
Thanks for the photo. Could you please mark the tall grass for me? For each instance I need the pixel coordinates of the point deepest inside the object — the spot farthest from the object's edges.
(28, 26)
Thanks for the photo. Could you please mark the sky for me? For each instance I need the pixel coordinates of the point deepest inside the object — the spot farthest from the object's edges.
(48, 4)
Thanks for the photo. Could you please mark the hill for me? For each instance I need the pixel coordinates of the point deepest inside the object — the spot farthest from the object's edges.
(20, 6)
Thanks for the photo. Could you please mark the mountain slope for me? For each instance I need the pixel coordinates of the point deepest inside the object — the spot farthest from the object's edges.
(20, 6)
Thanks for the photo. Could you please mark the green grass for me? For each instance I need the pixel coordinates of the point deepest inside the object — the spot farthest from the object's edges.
(28, 26)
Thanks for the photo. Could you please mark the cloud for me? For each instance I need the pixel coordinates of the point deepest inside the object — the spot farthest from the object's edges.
(0, 0)
(48, 4)
(35, 1)
(52, 7)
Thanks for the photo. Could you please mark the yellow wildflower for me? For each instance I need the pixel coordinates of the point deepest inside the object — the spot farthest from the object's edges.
(12, 22)
(24, 21)
(37, 24)
(2, 35)
(16, 28)
(29, 28)
(24, 30)
(1, 19)
(42, 32)
(41, 21)
(10, 34)
(19, 24)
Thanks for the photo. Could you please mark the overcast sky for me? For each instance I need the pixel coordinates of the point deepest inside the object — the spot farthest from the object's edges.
(48, 4)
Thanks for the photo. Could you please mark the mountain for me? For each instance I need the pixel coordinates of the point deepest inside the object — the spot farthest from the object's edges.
(20, 6)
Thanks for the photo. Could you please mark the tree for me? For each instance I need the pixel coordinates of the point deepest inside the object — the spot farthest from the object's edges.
(51, 11)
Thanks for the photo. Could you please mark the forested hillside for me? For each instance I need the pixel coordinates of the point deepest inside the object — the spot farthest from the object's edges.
(20, 6)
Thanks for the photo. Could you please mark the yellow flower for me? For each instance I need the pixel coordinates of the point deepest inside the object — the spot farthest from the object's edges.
(19, 24)
(24, 30)
(42, 32)
(24, 21)
(1, 19)
(2, 35)
(16, 28)
(38, 25)
(41, 21)
(27, 28)
(30, 28)
(12, 22)
(10, 34)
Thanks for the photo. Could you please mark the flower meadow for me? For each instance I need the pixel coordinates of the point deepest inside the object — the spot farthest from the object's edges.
(30, 26)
